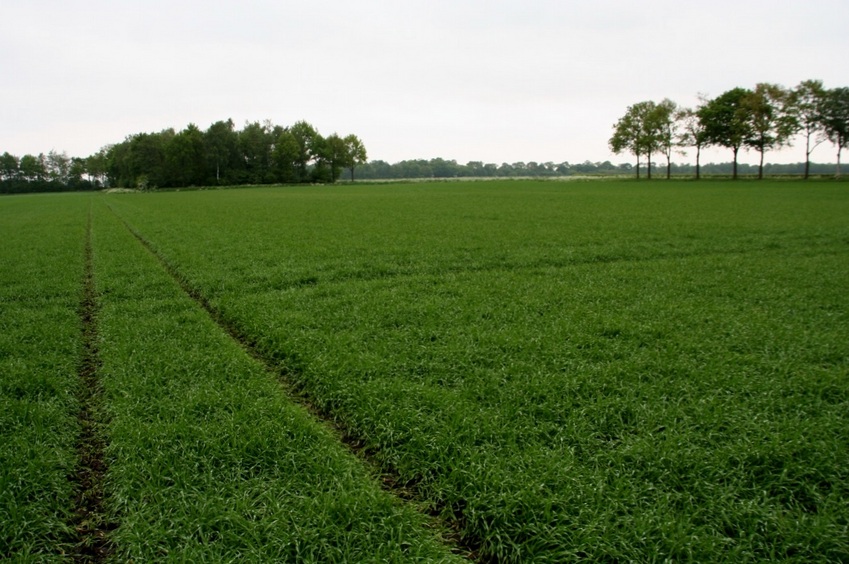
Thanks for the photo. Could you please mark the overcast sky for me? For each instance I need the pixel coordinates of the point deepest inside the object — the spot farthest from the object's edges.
(495, 80)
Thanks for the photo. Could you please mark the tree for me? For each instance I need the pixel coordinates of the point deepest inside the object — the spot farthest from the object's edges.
(96, 166)
(75, 174)
(692, 134)
(186, 158)
(663, 125)
(221, 147)
(57, 166)
(806, 107)
(306, 137)
(727, 121)
(284, 157)
(835, 119)
(355, 153)
(32, 168)
(640, 131)
(771, 124)
(337, 155)
(255, 145)
(8, 167)
(321, 160)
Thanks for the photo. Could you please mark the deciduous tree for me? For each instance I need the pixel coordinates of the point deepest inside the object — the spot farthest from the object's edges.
(664, 126)
(771, 122)
(692, 134)
(285, 156)
(355, 153)
(835, 119)
(306, 137)
(255, 145)
(186, 158)
(32, 168)
(806, 107)
(221, 146)
(727, 121)
(8, 166)
(628, 133)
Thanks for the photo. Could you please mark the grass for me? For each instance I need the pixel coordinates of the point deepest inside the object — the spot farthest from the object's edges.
(208, 458)
(41, 270)
(566, 371)
(601, 371)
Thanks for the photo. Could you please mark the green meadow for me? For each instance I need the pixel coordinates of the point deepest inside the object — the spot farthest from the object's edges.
(516, 371)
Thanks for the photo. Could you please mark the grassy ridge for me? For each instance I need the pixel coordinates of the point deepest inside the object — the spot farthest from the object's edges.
(208, 460)
(41, 269)
(606, 370)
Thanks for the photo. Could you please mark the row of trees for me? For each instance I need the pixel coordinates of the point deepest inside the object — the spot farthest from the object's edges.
(260, 153)
(764, 118)
(43, 173)
(56, 172)
(442, 168)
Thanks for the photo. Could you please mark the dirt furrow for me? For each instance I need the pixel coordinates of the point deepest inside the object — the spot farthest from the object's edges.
(91, 543)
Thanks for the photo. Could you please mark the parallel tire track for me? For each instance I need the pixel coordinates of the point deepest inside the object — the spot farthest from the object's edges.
(388, 481)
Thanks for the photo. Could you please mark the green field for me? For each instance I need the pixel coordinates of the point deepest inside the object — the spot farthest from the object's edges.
(509, 370)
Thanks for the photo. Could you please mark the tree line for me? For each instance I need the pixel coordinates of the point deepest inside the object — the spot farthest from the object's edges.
(259, 153)
(439, 168)
(764, 118)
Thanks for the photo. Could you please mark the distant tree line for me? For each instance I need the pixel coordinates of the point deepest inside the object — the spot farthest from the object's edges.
(260, 153)
(440, 168)
(762, 119)
(53, 172)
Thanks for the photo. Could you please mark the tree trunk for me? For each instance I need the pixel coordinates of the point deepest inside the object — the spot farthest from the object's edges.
(734, 174)
(807, 156)
(761, 167)
(698, 165)
(668, 167)
(648, 168)
(839, 148)
(638, 166)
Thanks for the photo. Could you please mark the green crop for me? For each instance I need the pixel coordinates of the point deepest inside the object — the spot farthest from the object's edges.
(555, 371)
(41, 270)
(563, 371)
(209, 459)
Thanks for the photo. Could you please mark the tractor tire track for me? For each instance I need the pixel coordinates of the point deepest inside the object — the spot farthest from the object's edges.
(91, 543)
(387, 480)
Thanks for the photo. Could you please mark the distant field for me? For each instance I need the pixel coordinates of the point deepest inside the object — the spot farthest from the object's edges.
(557, 371)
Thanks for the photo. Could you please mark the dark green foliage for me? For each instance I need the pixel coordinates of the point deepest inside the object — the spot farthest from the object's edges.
(727, 122)
(835, 119)
(261, 153)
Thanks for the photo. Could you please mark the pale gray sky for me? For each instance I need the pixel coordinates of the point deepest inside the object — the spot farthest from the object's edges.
(496, 80)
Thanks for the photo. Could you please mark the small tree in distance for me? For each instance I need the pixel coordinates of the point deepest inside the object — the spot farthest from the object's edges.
(636, 133)
(692, 134)
(835, 120)
(664, 126)
(726, 121)
(806, 107)
(770, 122)
(355, 153)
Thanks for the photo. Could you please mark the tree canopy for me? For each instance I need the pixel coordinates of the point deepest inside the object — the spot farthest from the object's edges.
(259, 153)
(764, 118)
